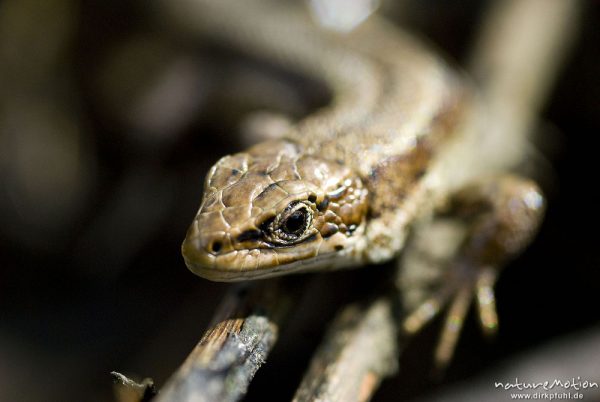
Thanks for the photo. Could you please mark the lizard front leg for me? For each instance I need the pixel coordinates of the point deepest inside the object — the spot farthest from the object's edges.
(499, 216)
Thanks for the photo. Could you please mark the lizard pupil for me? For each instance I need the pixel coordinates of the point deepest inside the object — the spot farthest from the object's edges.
(296, 223)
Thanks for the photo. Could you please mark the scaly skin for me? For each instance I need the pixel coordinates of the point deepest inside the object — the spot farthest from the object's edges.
(342, 187)
(249, 197)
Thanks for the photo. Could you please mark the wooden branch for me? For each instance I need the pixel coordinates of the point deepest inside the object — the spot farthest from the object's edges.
(359, 350)
(128, 390)
(231, 351)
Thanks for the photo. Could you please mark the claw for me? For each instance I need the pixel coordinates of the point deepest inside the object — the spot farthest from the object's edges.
(426, 312)
(452, 327)
(500, 218)
(479, 285)
(486, 302)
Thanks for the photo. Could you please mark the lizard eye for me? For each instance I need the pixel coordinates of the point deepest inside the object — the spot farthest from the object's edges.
(292, 226)
(296, 222)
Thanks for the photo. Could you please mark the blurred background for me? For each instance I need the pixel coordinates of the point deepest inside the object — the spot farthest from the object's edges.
(109, 120)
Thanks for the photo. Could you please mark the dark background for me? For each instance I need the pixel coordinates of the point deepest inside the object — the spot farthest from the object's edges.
(108, 124)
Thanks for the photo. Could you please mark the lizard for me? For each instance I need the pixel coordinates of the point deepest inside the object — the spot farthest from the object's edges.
(400, 141)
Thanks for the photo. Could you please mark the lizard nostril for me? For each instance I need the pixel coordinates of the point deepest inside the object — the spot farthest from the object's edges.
(216, 246)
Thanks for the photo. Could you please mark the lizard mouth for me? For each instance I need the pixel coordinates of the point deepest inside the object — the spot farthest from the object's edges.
(213, 256)
(247, 264)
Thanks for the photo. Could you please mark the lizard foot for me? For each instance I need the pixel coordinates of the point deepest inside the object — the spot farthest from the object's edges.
(501, 216)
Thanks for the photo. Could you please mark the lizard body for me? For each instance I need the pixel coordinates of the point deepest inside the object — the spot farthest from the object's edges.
(392, 143)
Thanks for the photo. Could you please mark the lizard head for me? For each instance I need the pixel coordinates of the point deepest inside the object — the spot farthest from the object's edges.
(274, 210)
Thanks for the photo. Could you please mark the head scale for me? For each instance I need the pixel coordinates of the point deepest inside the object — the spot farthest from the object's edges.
(274, 210)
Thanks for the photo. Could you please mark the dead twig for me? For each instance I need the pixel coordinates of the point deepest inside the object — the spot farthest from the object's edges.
(234, 347)
(359, 350)
(128, 390)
